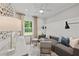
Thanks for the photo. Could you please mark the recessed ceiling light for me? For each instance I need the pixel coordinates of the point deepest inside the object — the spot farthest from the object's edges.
(41, 11)
(26, 9)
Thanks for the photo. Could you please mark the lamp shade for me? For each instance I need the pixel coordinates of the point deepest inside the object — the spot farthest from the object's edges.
(9, 24)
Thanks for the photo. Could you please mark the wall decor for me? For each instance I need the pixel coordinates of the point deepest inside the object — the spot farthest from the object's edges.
(6, 9)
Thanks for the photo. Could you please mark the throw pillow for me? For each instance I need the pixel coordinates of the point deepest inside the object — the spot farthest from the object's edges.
(74, 42)
(65, 41)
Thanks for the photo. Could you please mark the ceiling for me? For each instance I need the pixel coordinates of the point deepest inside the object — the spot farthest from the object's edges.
(50, 9)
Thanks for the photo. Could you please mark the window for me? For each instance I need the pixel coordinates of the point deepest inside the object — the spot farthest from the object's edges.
(27, 27)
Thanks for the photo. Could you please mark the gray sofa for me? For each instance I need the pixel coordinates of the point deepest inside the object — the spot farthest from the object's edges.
(61, 49)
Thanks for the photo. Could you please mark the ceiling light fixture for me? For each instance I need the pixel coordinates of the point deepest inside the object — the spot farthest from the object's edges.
(26, 9)
(41, 11)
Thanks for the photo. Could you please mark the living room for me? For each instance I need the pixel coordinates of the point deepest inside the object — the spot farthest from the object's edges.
(39, 29)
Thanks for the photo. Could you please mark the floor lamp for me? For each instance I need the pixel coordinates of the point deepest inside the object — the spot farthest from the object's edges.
(10, 24)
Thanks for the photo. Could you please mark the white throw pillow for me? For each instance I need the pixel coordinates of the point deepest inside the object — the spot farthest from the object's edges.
(74, 42)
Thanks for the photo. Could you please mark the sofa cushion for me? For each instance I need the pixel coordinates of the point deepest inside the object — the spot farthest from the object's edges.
(65, 50)
(54, 42)
(54, 37)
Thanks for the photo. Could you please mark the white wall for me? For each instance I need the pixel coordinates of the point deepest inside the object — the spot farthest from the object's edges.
(58, 28)
(41, 22)
(56, 25)
(9, 24)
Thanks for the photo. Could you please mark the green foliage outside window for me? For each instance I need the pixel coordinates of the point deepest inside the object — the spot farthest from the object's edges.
(28, 27)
